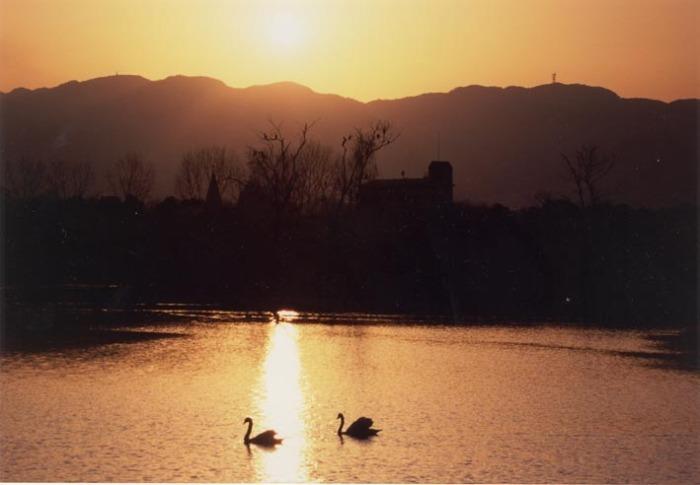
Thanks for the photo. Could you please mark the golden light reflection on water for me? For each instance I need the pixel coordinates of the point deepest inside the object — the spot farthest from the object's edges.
(281, 407)
(280, 316)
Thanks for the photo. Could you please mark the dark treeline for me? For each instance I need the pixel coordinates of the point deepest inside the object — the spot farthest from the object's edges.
(608, 264)
(286, 228)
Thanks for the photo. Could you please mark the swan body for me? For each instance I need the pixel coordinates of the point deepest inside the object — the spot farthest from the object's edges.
(361, 428)
(266, 438)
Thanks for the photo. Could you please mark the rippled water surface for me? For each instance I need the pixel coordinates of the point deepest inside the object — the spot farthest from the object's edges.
(456, 404)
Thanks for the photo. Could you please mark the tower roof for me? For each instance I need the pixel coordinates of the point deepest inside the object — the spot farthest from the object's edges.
(213, 200)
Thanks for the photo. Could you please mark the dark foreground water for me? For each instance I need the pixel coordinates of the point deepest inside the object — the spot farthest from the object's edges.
(456, 404)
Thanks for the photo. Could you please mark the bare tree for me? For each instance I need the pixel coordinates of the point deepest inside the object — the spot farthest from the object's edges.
(275, 166)
(197, 167)
(357, 163)
(300, 174)
(316, 181)
(586, 170)
(69, 179)
(24, 178)
(132, 177)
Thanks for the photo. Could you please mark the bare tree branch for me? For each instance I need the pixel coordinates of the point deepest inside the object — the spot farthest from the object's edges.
(132, 177)
(70, 179)
(357, 163)
(587, 170)
(293, 175)
(197, 167)
(24, 178)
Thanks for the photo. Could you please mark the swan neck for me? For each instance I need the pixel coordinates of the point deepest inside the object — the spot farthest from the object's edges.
(246, 438)
(342, 422)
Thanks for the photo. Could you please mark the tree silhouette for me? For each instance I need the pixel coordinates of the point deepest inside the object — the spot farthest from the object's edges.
(316, 178)
(275, 166)
(24, 178)
(586, 170)
(132, 177)
(197, 167)
(357, 163)
(67, 179)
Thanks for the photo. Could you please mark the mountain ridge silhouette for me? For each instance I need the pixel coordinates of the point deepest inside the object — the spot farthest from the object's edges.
(505, 142)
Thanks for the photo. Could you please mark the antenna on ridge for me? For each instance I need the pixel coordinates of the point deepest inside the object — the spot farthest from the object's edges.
(554, 78)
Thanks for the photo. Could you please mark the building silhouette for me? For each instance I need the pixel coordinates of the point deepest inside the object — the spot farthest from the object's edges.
(431, 191)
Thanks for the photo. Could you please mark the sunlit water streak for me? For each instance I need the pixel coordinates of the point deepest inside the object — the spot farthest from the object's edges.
(280, 405)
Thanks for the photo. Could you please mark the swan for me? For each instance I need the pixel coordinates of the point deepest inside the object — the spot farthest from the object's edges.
(361, 428)
(266, 438)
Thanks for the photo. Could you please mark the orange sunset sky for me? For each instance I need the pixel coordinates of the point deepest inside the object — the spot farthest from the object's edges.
(364, 49)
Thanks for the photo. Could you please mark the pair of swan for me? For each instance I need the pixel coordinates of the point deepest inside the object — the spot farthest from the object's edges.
(361, 429)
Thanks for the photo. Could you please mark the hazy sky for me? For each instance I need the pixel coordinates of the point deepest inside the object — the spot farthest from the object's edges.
(364, 49)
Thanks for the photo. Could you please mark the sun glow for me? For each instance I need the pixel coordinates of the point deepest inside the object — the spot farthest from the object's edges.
(286, 30)
(364, 49)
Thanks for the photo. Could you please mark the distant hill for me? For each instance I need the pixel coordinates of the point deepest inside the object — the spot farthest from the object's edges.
(504, 143)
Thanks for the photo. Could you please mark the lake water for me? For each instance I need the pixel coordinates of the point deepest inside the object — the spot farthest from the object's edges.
(456, 404)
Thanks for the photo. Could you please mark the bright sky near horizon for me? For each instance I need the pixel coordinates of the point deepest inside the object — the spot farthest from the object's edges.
(364, 49)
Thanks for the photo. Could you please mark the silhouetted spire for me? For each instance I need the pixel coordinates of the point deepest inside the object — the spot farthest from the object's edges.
(213, 201)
